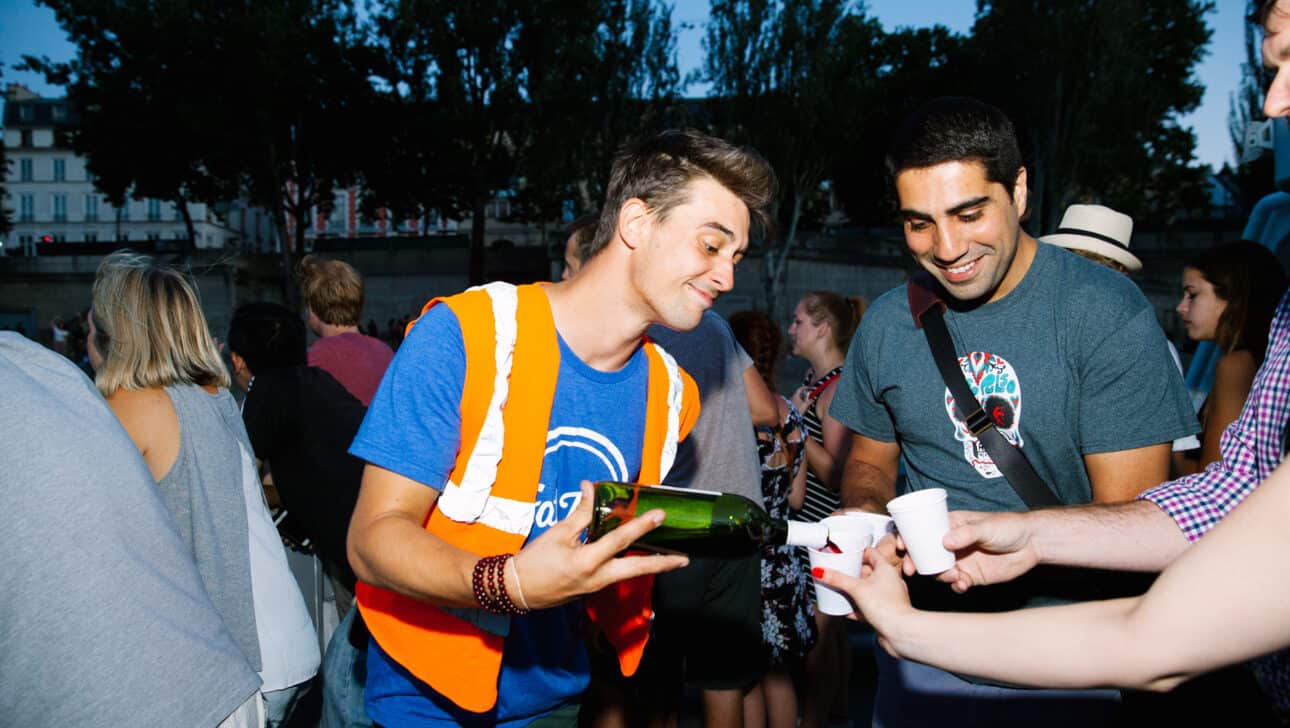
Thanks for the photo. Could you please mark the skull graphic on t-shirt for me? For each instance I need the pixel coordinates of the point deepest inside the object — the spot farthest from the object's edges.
(994, 383)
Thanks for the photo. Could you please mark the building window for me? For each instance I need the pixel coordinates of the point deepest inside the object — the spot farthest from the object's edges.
(57, 238)
(25, 239)
(60, 208)
(26, 113)
(60, 112)
(154, 237)
(26, 208)
(26, 138)
(60, 170)
(179, 214)
(24, 170)
(91, 237)
(123, 212)
(91, 207)
(123, 237)
(154, 209)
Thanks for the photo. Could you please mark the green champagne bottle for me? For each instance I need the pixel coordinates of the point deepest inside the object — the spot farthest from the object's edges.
(698, 522)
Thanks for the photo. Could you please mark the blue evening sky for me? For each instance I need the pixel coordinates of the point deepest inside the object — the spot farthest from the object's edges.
(26, 28)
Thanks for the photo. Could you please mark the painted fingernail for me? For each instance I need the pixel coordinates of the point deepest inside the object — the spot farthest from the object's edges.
(817, 572)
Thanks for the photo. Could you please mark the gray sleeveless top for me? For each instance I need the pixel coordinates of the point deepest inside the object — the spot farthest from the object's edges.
(203, 491)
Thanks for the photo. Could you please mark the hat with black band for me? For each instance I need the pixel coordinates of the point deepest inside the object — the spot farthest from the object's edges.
(1096, 229)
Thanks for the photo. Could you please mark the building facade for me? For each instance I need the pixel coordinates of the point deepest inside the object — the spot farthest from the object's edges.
(52, 197)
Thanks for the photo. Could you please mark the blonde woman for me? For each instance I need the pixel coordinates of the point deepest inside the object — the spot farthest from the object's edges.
(821, 330)
(156, 364)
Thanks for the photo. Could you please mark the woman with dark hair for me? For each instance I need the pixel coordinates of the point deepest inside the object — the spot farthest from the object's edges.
(1230, 293)
(788, 628)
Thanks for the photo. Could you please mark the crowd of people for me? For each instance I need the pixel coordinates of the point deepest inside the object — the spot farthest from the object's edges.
(445, 489)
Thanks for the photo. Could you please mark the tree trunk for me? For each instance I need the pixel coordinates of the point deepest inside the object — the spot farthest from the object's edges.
(181, 204)
(477, 240)
(775, 265)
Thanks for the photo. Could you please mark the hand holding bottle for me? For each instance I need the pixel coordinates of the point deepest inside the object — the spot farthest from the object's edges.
(557, 567)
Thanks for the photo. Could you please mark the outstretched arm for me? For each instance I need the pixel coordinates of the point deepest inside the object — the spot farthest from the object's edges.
(1155, 641)
(389, 548)
(998, 547)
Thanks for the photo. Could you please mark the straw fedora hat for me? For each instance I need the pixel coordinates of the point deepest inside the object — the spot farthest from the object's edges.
(1096, 229)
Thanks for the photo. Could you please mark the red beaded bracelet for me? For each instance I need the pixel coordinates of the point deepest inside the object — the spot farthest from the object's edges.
(488, 581)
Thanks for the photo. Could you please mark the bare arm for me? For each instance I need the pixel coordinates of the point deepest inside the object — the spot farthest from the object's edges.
(1155, 641)
(826, 460)
(998, 547)
(389, 548)
(762, 403)
(1120, 476)
(1232, 381)
(869, 477)
(797, 491)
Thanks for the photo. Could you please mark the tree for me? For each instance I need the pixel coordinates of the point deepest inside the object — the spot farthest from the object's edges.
(516, 95)
(455, 67)
(790, 79)
(916, 64)
(134, 60)
(1095, 90)
(211, 100)
(1254, 178)
(590, 95)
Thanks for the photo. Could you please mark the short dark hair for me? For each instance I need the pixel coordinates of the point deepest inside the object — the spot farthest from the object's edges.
(583, 230)
(1261, 12)
(957, 129)
(267, 336)
(1249, 277)
(658, 169)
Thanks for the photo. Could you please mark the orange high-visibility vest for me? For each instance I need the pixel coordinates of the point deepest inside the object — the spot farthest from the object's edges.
(488, 505)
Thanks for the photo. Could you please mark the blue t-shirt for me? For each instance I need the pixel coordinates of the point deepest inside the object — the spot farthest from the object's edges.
(596, 432)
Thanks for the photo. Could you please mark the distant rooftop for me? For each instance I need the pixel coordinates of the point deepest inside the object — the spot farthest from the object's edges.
(25, 108)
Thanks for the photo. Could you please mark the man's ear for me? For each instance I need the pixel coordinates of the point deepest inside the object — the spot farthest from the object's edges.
(1020, 194)
(239, 364)
(633, 222)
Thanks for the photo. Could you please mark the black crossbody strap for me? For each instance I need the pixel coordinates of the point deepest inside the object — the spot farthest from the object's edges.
(1032, 489)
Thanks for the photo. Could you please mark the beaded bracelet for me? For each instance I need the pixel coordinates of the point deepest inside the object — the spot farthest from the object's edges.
(488, 580)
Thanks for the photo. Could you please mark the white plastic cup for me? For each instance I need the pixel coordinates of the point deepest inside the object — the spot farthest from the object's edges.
(923, 518)
(827, 599)
(869, 528)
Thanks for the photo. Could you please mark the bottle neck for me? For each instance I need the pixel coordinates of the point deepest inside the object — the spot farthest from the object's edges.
(798, 533)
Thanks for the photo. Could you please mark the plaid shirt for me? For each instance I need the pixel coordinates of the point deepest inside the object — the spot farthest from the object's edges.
(1251, 449)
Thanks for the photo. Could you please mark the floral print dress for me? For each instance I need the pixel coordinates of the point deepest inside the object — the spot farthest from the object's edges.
(788, 625)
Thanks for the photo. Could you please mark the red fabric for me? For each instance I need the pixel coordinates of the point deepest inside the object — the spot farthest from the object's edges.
(356, 361)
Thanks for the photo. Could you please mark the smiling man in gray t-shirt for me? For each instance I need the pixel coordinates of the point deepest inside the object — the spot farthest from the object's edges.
(1064, 355)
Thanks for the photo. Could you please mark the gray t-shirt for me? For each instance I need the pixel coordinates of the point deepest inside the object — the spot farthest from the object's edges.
(1070, 363)
(105, 621)
(721, 452)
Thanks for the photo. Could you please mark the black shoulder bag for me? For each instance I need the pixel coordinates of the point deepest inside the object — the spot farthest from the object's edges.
(928, 309)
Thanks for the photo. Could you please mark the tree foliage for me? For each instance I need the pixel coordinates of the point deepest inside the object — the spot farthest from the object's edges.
(1095, 90)
(793, 80)
(211, 100)
(518, 95)
(1255, 178)
(916, 64)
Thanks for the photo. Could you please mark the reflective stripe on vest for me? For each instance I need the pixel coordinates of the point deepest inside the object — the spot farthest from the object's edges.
(487, 506)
